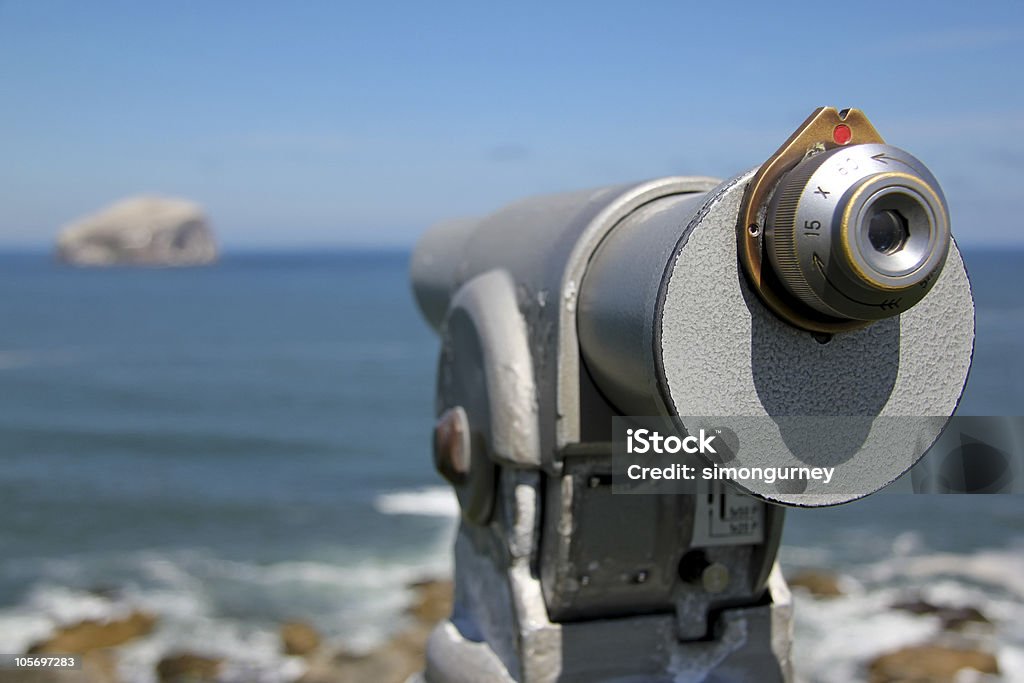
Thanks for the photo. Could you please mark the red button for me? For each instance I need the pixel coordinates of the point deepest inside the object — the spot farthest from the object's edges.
(842, 134)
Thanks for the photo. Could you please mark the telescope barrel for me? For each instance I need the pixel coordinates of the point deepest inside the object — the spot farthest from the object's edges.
(618, 316)
(435, 267)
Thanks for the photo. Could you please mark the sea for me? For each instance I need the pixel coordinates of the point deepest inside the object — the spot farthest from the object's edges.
(236, 446)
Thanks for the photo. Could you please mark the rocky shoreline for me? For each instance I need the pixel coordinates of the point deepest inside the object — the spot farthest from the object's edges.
(398, 658)
(959, 644)
(392, 662)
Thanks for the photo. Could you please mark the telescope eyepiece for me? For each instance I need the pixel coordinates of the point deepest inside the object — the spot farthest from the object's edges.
(888, 231)
(859, 232)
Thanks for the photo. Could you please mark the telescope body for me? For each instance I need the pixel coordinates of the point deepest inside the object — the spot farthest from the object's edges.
(559, 313)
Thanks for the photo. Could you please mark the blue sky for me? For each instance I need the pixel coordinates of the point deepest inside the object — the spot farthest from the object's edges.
(305, 124)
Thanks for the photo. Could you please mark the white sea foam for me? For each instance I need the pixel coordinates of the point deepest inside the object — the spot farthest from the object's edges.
(999, 568)
(224, 608)
(21, 627)
(434, 501)
(64, 605)
(836, 638)
(250, 653)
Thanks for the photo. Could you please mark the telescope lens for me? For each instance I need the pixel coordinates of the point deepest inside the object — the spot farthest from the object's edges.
(894, 233)
(858, 232)
(888, 231)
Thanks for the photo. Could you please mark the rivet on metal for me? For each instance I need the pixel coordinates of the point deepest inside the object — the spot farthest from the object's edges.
(452, 453)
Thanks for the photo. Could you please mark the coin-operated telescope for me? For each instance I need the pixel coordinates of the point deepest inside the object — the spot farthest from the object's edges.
(821, 285)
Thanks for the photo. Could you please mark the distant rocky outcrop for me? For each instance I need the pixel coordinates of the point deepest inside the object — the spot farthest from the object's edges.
(145, 231)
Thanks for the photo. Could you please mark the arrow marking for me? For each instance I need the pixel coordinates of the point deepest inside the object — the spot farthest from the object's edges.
(885, 305)
(884, 159)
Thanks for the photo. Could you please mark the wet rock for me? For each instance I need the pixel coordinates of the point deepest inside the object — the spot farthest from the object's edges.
(432, 601)
(953, 618)
(928, 664)
(299, 638)
(186, 667)
(86, 636)
(107, 591)
(153, 231)
(817, 582)
(389, 663)
(100, 666)
(957, 618)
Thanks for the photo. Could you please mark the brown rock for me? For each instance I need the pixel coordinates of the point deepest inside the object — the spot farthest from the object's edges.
(956, 618)
(953, 618)
(390, 663)
(186, 667)
(432, 601)
(816, 582)
(86, 636)
(100, 666)
(401, 656)
(299, 638)
(928, 664)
